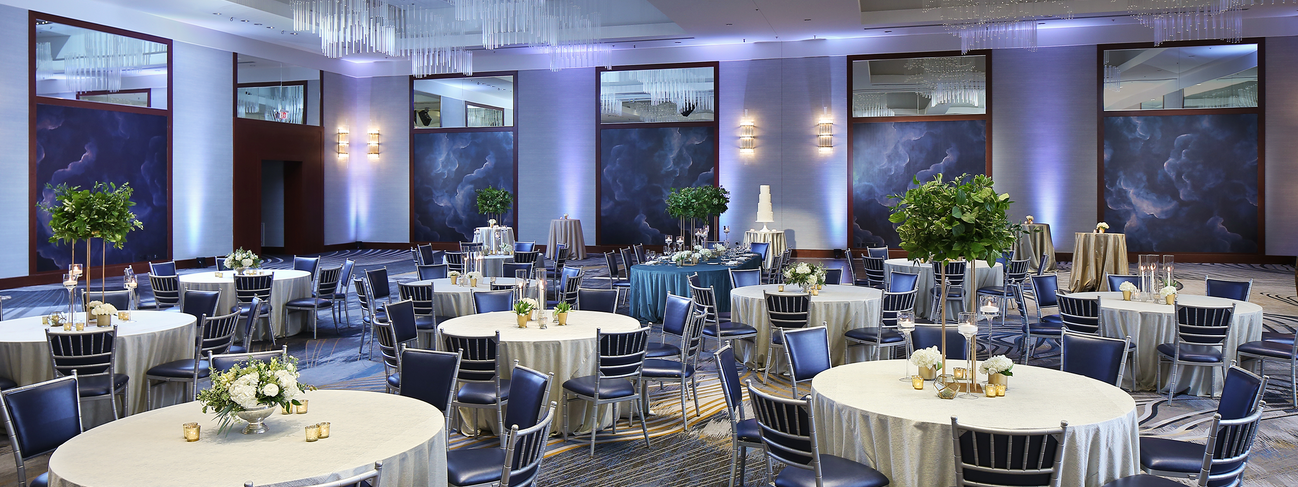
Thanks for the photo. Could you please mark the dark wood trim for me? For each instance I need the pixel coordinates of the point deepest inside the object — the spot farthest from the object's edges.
(643, 125)
(1181, 111)
(430, 130)
(301, 147)
(148, 95)
(34, 100)
(264, 84)
(986, 117)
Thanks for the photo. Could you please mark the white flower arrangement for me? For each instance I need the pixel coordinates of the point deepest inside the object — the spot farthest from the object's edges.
(491, 222)
(681, 256)
(929, 357)
(240, 259)
(453, 275)
(719, 248)
(524, 306)
(1029, 218)
(252, 385)
(705, 254)
(998, 364)
(1102, 225)
(103, 309)
(1127, 286)
(1167, 291)
(475, 275)
(804, 274)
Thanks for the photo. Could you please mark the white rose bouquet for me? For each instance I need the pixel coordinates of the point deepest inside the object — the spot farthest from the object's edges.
(998, 364)
(453, 275)
(1167, 291)
(805, 274)
(475, 275)
(242, 259)
(681, 256)
(1127, 286)
(103, 309)
(719, 248)
(1101, 225)
(252, 385)
(929, 357)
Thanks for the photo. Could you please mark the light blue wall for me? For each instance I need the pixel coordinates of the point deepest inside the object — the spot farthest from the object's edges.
(15, 202)
(556, 151)
(202, 179)
(1281, 147)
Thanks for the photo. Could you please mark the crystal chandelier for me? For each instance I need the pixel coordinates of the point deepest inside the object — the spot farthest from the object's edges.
(95, 61)
(871, 105)
(996, 24)
(949, 80)
(1183, 20)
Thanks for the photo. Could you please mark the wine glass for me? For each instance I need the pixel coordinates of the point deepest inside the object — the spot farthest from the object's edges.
(906, 323)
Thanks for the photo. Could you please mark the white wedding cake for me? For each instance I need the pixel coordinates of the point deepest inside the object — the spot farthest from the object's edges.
(764, 213)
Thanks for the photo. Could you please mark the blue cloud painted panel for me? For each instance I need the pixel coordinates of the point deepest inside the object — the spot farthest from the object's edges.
(1183, 183)
(887, 156)
(449, 169)
(80, 146)
(638, 167)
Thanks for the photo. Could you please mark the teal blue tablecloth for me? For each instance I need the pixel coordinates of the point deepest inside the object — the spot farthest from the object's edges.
(650, 285)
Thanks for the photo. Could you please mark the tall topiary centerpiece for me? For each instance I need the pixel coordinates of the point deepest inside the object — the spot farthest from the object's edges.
(964, 218)
(697, 203)
(103, 212)
(494, 202)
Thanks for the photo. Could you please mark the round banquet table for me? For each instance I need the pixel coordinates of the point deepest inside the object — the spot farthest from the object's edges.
(567, 351)
(451, 299)
(864, 413)
(651, 283)
(987, 277)
(1150, 324)
(148, 339)
(407, 435)
(566, 231)
(498, 238)
(841, 308)
(288, 285)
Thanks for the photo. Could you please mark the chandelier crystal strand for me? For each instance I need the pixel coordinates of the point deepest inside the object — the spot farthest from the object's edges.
(996, 24)
(96, 60)
(1178, 20)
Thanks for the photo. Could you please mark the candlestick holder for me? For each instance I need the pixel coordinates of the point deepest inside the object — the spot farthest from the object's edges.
(906, 323)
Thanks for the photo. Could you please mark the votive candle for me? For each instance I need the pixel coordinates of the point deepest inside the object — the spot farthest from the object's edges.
(1000, 390)
(81, 326)
(917, 382)
(312, 432)
(300, 408)
(989, 389)
(961, 373)
(324, 429)
(191, 431)
(286, 409)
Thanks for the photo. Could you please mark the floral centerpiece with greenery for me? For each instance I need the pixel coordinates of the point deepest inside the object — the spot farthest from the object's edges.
(103, 212)
(251, 386)
(494, 202)
(241, 260)
(805, 275)
(697, 203)
(929, 358)
(998, 364)
(99, 310)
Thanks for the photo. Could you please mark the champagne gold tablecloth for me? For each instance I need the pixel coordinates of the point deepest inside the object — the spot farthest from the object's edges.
(566, 231)
(1096, 255)
(1034, 241)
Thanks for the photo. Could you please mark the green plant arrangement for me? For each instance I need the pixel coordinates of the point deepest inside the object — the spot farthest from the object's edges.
(697, 203)
(252, 386)
(494, 202)
(103, 212)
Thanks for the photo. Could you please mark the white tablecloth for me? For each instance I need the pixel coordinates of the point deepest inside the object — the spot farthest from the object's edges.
(773, 237)
(288, 285)
(841, 307)
(987, 277)
(454, 300)
(568, 232)
(567, 351)
(496, 239)
(408, 435)
(1150, 324)
(149, 339)
(865, 414)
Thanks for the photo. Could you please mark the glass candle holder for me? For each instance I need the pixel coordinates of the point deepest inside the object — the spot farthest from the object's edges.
(45, 320)
(300, 408)
(324, 429)
(917, 382)
(781, 288)
(961, 373)
(1000, 390)
(989, 389)
(312, 433)
(81, 326)
(286, 409)
(191, 431)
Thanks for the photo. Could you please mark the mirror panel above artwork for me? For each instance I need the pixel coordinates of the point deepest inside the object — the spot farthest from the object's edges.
(277, 92)
(919, 86)
(477, 101)
(658, 95)
(77, 63)
(1172, 78)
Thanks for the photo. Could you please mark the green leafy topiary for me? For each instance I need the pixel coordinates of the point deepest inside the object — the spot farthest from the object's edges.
(494, 202)
(964, 218)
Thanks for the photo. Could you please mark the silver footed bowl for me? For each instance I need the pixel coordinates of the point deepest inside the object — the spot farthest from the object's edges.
(256, 420)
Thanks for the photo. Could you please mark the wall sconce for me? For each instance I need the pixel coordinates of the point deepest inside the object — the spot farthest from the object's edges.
(747, 135)
(825, 133)
(342, 142)
(374, 142)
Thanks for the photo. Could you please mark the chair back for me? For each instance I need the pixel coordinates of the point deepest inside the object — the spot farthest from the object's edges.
(83, 353)
(433, 271)
(989, 456)
(1045, 287)
(788, 430)
(429, 376)
(640, 255)
(1202, 325)
(471, 246)
(629, 258)
(1016, 272)
(526, 257)
(926, 336)
(705, 301)
(40, 417)
(1230, 441)
(676, 314)
(760, 248)
(215, 335)
(1237, 290)
(877, 252)
(731, 387)
(524, 451)
(529, 390)
(309, 264)
(477, 356)
(621, 354)
(511, 268)
(524, 246)
(1100, 358)
(220, 263)
(491, 301)
(419, 295)
(1116, 280)
(903, 281)
(425, 253)
(834, 275)
(119, 299)
(345, 278)
(955, 273)
(162, 268)
(597, 300)
(248, 287)
(439, 257)
(327, 282)
(610, 261)
(363, 296)
(456, 261)
(1081, 315)
(893, 303)
(745, 277)
(200, 303)
(1241, 392)
(388, 348)
(874, 272)
(401, 315)
(788, 310)
(569, 282)
(560, 256)
(166, 290)
(808, 351)
(378, 282)
(222, 362)
(253, 316)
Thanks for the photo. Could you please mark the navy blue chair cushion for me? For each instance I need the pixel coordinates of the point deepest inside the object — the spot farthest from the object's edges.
(237, 349)
(474, 466)
(729, 329)
(394, 380)
(835, 472)
(1143, 480)
(659, 350)
(1045, 328)
(1285, 338)
(101, 385)
(1269, 349)
(665, 368)
(482, 392)
(309, 303)
(1170, 455)
(6, 383)
(749, 430)
(1190, 354)
(182, 369)
(870, 334)
(608, 388)
(42, 480)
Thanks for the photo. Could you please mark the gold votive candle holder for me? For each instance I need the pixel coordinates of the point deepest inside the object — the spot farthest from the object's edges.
(917, 381)
(300, 408)
(961, 373)
(123, 315)
(191, 431)
(45, 319)
(219, 274)
(781, 288)
(312, 432)
(324, 429)
(286, 409)
(1000, 390)
(989, 390)
(81, 326)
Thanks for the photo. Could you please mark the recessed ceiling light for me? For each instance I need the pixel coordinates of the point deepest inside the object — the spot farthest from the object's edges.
(806, 20)
(1041, 23)
(216, 13)
(730, 24)
(887, 32)
(257, 24)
